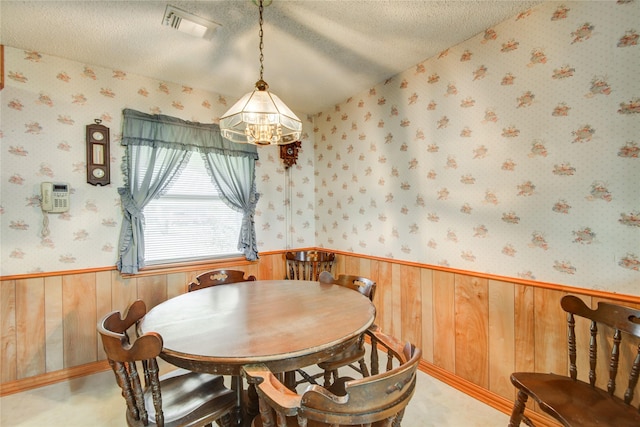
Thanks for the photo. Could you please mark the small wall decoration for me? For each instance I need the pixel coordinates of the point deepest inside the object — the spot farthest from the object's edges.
(98, 156)
(289, 153)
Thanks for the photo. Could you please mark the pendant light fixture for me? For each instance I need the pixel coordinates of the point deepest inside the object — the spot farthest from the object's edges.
(260, 117)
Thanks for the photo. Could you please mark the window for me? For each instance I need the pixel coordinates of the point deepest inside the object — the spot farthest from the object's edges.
(190, 220)
(187, 220)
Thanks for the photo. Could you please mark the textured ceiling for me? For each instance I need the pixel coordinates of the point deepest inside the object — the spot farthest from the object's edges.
(316, 53)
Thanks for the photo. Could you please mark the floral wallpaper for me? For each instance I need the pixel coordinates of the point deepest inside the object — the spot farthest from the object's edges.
(514, 153)
(44, 108)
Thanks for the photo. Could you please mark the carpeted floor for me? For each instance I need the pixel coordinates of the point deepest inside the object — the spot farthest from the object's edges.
(95, 400)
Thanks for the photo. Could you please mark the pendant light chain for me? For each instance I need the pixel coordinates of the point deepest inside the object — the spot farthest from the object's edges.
(260, 117)
(261, 43)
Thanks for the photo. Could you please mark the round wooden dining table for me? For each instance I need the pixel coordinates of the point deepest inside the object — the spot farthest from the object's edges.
(283, 324)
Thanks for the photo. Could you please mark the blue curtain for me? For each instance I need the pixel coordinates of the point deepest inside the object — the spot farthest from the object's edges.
(157, 148)
(235, 179)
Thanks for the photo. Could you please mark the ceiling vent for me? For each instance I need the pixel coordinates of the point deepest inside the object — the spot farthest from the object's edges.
(188, 23)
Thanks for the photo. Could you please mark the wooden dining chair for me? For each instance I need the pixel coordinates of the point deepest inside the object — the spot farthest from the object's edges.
(574, 402)
(355, 353)
(222, 277)
(179, 398)
(378, 400)
(218, 277)
(364, 285)
(307, 265)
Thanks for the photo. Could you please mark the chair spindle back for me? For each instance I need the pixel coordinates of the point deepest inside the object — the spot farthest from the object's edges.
(307, 265)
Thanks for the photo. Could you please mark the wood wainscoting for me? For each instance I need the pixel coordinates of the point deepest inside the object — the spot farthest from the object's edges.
(474, 329)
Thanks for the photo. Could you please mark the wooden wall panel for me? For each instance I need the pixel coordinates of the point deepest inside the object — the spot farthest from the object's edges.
(152, 290)
(550, 328)
(8, 339)
(124, 291)
(271, 267)
(340, 265)
(524, 325)
(54, 337)
(104, 304)
(501, 338)
(177, 284)
(410, 304)
(426, 290)
(444, 323)
(365, 268)
(396, 302)
(524, 331)
(472, 329)
(250, 270)
(265, 270)
(30, 329)
(384, 305)
(279, 267)
(351, 265)
(79, 319)
(374, 274)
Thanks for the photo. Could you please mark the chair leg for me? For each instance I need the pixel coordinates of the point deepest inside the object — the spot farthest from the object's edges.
(266, 414)
(224, 421)
(518, 409)
(290, 380)
(328, 373)
(397, 420)
(363, 368)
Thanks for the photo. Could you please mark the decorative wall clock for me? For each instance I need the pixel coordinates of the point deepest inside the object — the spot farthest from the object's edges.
(98, 156)
(289, 153)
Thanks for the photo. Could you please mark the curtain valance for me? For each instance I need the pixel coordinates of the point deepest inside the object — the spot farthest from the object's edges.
(158, 130)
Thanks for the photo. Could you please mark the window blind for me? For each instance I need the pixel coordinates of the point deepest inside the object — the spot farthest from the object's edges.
(190, 221)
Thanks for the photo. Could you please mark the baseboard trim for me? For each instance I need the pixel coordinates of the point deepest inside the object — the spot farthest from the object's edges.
(483, 395)
(17, 386)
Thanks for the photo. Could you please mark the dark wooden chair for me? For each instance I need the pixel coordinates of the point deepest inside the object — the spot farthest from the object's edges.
(218, 277)
(377, 400)
(307, 265)
(574, 402)
(222, 277)
(179, 398)
(364, 285)
(355, 353)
